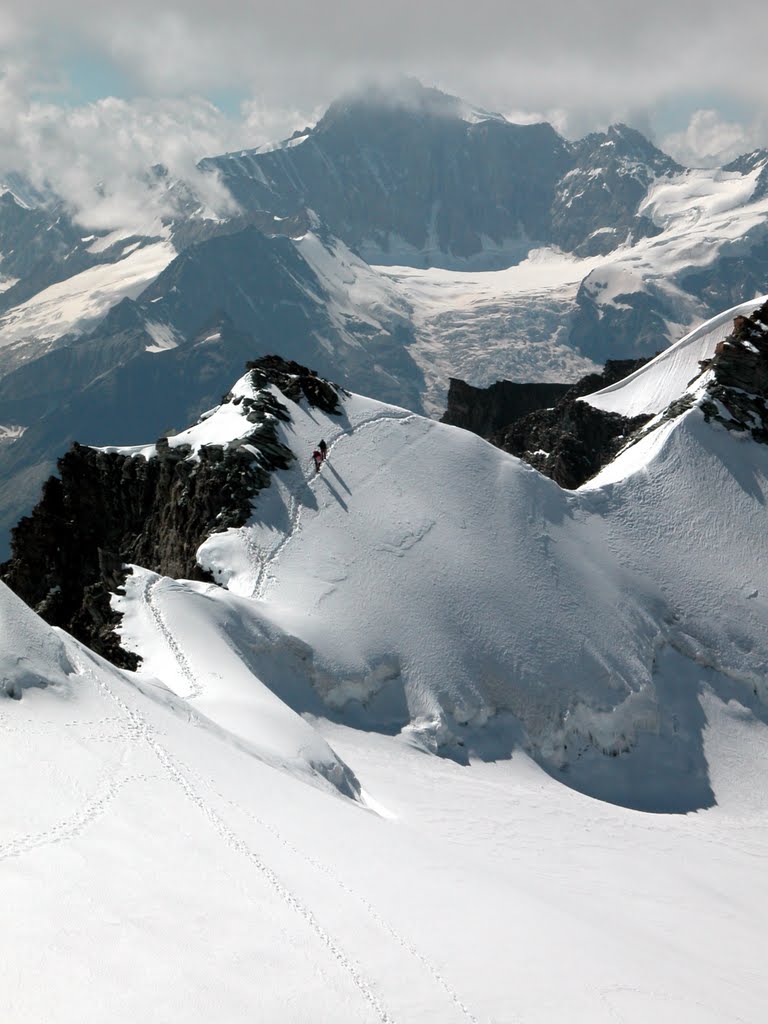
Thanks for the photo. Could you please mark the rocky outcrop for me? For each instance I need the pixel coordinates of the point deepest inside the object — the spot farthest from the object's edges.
(572, 441)
(295, 382)
(106, 509)
(569, 443)
(737, 395)
(596, 204)
(485, 411)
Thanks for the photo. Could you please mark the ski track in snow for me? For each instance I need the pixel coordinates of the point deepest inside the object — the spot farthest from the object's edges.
(323, 869)
(195, 689)
(71, 827)
(139, 729)
(265, 561)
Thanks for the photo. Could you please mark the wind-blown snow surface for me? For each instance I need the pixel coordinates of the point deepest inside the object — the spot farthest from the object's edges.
(426, 581)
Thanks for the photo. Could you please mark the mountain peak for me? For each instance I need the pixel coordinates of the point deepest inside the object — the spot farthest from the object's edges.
(405, 95)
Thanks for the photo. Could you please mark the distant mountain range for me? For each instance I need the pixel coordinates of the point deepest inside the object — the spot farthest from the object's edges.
(403, 240)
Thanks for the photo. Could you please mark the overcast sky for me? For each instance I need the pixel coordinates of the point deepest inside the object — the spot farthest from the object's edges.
(96, 90)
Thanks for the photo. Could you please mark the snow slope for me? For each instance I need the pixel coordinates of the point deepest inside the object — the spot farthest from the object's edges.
(150, 868)
(79, 302)
(654, 386)
(426, 582)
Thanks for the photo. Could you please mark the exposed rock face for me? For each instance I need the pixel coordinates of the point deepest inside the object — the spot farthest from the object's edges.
(572, 441)
(485, 411)
(105, 509)
(738, 395)
(596, 203)
(388, 172)
(569, 443)
(295, 382)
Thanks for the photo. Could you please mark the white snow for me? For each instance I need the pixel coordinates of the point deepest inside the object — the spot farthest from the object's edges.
(253, 825)
(163, 336)
(486, 552)
(651, 388)
(11, 432)
(80, 301)
(154, 867)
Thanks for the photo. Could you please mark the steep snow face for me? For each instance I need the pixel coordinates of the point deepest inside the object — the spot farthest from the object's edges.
(425, 581)
(34, 655)
(667, 377)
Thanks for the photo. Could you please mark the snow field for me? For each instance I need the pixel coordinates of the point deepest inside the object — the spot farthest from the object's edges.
(78, 303)
(216, 887)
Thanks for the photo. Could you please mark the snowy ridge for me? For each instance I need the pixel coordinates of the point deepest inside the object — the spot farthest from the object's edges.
(667, 377)
(483, 554)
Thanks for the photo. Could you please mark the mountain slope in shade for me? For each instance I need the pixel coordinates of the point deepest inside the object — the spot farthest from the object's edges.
(411, 178)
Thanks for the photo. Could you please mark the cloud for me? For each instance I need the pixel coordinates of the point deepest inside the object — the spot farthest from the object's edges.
(709, 140)
(683, 71)
(580, 52)
(98, 156)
